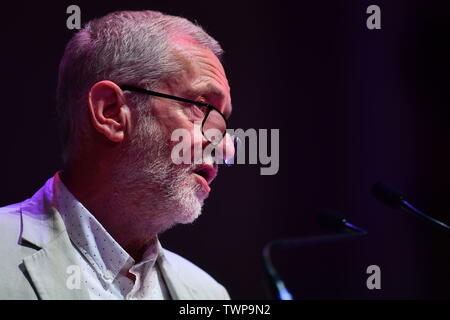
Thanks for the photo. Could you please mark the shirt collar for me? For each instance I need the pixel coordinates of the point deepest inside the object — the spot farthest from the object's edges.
(105, 255)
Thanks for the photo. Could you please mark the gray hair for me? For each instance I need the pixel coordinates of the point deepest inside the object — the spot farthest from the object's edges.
(126, 47)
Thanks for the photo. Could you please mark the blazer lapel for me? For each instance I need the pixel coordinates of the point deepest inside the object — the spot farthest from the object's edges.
(178, 288)
(51, 270)
(51, 267)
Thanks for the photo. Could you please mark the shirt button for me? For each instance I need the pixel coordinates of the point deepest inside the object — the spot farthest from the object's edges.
(108, 275)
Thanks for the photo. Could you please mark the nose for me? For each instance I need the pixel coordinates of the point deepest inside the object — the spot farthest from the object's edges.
(224, 151)
(230, 144)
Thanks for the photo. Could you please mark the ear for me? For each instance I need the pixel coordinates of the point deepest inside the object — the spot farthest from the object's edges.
(109, 114)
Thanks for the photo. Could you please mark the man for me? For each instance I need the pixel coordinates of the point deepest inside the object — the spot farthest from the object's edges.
(127, 81)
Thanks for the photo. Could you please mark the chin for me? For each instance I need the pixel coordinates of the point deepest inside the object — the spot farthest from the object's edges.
(189, 215)
(189, 207)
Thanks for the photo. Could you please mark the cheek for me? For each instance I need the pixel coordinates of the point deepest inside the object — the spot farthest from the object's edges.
(170, 119)
(174, 123)
(179, 134)
(186, 142)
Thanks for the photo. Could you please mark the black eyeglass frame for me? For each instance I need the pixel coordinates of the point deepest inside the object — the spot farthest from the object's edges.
(199, 104)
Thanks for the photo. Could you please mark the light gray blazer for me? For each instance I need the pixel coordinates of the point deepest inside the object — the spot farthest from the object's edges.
(35, 253)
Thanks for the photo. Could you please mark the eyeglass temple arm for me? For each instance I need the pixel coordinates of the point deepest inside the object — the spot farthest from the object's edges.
(163, 95)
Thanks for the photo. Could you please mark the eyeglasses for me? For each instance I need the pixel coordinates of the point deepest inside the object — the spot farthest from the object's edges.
(212, 117)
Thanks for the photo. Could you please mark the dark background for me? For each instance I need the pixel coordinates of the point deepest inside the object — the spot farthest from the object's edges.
(353, 106)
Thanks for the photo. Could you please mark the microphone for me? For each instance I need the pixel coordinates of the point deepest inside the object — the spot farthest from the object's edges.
(329, 219)
(335, 222)
(395, 199)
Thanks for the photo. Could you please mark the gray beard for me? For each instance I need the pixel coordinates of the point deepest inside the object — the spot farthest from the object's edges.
(160, 193)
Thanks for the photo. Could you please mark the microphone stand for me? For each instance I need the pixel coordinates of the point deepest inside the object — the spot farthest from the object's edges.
(411, 209)
(276, 287)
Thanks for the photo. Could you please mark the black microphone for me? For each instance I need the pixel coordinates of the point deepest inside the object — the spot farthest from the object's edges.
(327, 218)
(396, 200)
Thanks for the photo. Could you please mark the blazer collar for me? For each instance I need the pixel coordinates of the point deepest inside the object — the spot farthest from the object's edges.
(51, 267)
(41, 222)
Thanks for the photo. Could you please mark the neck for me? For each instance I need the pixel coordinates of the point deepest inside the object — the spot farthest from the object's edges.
(116, 206)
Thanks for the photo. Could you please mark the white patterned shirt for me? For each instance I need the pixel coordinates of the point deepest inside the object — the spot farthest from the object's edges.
(104, 262)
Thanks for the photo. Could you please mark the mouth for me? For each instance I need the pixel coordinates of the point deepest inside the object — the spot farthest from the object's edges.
(205, 174)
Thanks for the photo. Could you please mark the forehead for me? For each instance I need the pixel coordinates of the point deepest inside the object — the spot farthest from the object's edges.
(203, 74)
